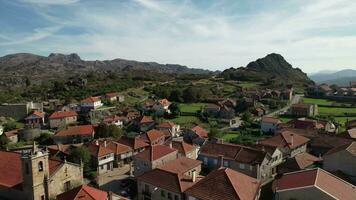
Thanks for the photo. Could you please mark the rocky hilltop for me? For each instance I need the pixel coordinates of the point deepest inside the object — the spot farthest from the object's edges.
(273, 67)
(16, 68)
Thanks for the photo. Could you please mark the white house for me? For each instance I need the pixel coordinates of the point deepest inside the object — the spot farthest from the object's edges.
(91, 103)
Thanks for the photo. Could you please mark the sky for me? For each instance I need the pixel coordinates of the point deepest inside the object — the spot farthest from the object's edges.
(313, 35)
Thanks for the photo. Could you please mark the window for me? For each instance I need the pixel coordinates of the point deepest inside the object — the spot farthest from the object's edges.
(27, 168)
(250, 167)
(215, 161)
(176, 197)
(67, 186)
(242, 166)
(205, 161)
(163, 193)
(40, 166)
(42, 197)
(169, 195)
(147, 188)
(226, 163)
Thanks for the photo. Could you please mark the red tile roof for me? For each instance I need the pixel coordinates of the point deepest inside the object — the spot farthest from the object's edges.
(111, 94)
(180, 165)
(183, 147)
(271, 120)
(91, 100)
(63, 114)
(10, 162)
(349, 147)
(135, 143)
(76, 130)
(83, 192)
(171, 181)
(37, 114)
(225, 183)
(146, 119)
(155, 152)
(238, 153)
(153, 135)
(200, 131)
(301, 161)
(285, 139)
(328, 183)
(167, 124)
(164, 102)
(11, 133)
(118, 148)
(99, 148)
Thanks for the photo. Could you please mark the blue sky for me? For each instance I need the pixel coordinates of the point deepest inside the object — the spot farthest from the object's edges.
(214, 34)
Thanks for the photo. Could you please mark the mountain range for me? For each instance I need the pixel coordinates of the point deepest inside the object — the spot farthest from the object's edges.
(16, 67)
(341, 78)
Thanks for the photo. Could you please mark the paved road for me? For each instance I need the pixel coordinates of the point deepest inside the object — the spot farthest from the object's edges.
(295, 99)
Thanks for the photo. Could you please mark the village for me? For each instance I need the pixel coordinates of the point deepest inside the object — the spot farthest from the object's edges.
(256, 143)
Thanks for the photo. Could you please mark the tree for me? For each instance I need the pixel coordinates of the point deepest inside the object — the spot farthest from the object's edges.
(190, 95)
(81, 154)
(45, 139)
(176, 95)
(4, 141)
(214, 133)
(175, 111)
(10, 125)
(115, 131)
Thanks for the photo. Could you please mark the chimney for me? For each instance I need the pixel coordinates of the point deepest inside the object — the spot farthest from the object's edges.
(194, 175)
(104, 143)
(291, 140)
(97, 142)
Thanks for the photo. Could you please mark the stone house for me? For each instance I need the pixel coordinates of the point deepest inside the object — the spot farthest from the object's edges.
(289, 143)
(144, 123)
(299, 162)
(342, 158)
(35, 119)
(313, 184)
(269, 124)
(34, 176)
(224, 183)
(161, 107)
(196, 135)
(74, 134)
(185, 150)
(114, 120)
(103, 157)
(251, 161)
(61, 119)
(110, 97)
(169, 181)
(211, 109)
(153, 157)
(153, 137)
(304, 110)
(12, 136)
(171, 127)
(137, 144)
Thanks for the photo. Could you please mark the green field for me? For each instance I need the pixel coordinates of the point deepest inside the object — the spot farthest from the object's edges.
(191, 107)
(343, 120)
(285, 119)
(186, 120)
(318, 101)
(248, 84)
(229, 136)
(335, 111)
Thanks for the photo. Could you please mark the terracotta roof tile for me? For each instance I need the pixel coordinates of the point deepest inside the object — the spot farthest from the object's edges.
(285, 139)
(155, 152)
(323, 180)
(271, 120)
(91, 100)
(76, 130)
(146, 119)
(180, 165)
(200, 131)
(153, 135)
(135, 143)
(167, 124)
(183, 147)
(83, 192)
(63, 114)
(99, 148)
(225, 183)
(349, 147)
(111, 94)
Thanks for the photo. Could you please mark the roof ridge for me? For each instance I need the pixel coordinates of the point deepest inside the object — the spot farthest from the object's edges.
(231, 183)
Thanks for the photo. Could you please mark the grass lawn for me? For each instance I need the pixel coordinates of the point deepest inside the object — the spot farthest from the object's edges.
(343, 120)
(318, 101)
(335, 111)
(191, 107)
(229, 136)
(248, 84)
(186, 120)
(285, 119)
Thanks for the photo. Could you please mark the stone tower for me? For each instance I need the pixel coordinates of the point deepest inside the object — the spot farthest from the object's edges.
(35, 173)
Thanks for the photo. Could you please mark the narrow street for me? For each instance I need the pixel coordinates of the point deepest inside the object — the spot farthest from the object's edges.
(295, 99)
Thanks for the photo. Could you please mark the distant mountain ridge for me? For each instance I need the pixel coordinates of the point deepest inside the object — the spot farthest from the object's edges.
(15, 67)
(272, 67)
(341, 78)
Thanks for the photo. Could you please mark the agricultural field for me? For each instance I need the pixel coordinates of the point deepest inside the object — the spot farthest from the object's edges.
(248, 84)
(335, 111)
(318, 101)
(186, 120)
(191, 107)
